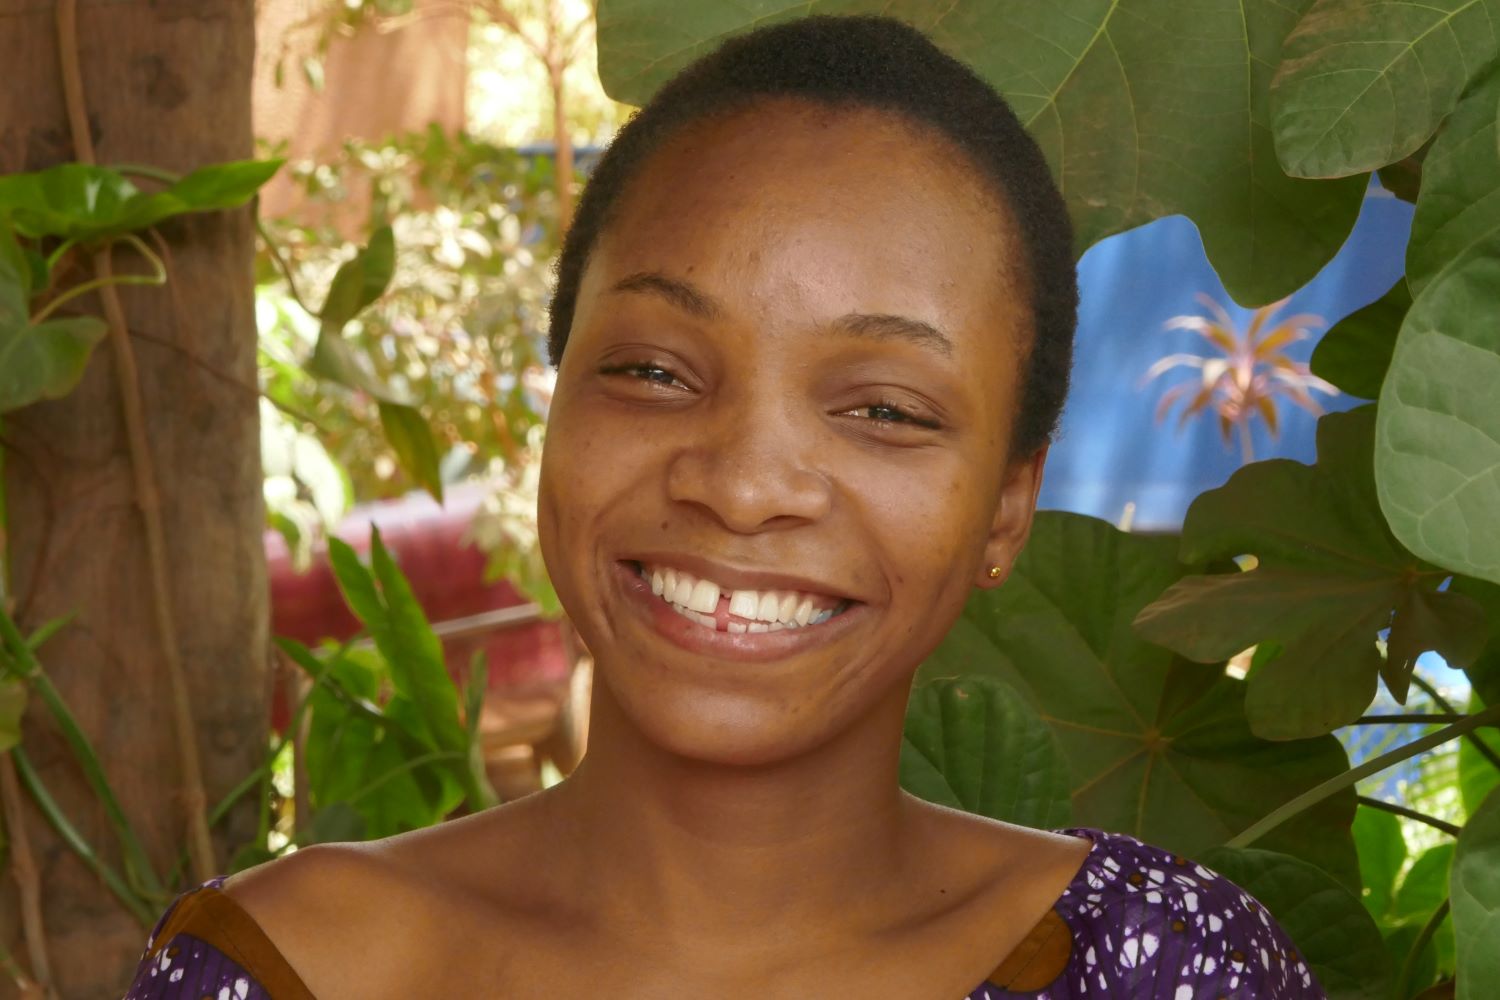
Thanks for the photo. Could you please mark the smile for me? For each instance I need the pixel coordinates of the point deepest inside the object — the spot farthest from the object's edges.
(718, 608)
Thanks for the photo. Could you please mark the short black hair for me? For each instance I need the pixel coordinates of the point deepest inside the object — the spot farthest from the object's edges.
(880, 63)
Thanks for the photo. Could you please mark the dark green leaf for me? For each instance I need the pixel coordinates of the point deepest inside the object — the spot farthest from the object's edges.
(37, 360)
(410, 437)
(1382, 852)
(973, 743)
(1425, 885)
(1476, 903)
(1437, 458)
(1364, 83)
(1335, 934)
(1356, 353)
(1484, 672)
(1144, 109)
(360, 281)
(1330, 576)
(334, 823)
(1180, 771)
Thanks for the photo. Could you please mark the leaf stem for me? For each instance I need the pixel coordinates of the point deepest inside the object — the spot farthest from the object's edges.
(1406, 718)
(1400, 810)
(1424, 937)
(159, 277)
(274, 249)
(1339, 782)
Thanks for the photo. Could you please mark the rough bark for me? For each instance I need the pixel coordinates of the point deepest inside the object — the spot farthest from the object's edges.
(167, 84)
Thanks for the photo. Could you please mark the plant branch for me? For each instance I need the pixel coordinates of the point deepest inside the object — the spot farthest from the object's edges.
(1478, 744)
(28, 883)
(1424, 937)
(200, 845)
(274, 249)
(1339, 782)
(158, 277)
(1400, 810)
(1406, 718)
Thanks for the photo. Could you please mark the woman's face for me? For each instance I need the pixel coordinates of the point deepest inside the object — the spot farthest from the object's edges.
(785, 403)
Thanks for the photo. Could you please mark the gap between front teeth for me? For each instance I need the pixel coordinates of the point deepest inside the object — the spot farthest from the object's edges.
(768, 611)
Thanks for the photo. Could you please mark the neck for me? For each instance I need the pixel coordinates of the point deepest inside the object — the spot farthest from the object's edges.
(689, 847)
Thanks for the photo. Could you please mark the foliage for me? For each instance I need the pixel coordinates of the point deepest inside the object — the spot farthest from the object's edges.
(975, 744)
(1356, 353)
(1476, 902)
(1252, 371)
(1330, 578)
(51, 218)
(1157, 746)
(455, 338)
(1437, 458)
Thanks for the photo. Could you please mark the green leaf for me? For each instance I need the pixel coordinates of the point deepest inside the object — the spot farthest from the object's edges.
(1137, 121)
(410, 437)
(1382, 852)
(37, 360)
(1355, 354)
(1157, 747)
(360, 280)
(86, 203)
(1329, 577)
(337, 360)
(413, 651)
(1364, 83)
(12, 707)
(1437, 459)
(1335, 934)
(1484, 672)
(1425, 885)
(1476, 903)
(1477, 777)
(973, 743)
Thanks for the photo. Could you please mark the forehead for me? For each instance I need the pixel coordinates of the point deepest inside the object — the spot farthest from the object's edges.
(788, 209)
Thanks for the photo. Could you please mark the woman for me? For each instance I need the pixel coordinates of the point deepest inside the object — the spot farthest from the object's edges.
(812, 328)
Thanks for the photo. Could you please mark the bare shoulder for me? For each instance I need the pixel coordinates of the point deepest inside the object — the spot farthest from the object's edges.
(373, 919)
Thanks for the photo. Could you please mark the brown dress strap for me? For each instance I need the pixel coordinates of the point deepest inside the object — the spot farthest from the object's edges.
(212, 917)
(1039, 959)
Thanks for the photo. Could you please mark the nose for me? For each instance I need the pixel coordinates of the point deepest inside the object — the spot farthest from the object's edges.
(753, 471)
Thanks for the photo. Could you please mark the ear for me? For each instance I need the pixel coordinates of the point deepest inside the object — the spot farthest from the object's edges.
(1013, 514)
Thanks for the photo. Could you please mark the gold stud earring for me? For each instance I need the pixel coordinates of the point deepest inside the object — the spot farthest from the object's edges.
(996, 572)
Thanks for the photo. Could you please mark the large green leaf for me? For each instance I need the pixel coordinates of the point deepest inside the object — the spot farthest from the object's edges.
(359, 281)
(1364, 83)
(1355, 354)
(85, 202)
(973, 743)
(1382, 852)
(37, 360)
(1145, 108)
(1476, 903)
(1156, 746)
(1335, 934)
(1437, 460)
(1330, 576)
(1477, 775)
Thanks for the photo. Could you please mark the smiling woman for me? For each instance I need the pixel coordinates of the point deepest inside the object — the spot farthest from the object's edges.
(812, 328)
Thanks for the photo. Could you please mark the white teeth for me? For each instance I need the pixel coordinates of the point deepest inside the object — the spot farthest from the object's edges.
(704, 597)
(737, 627)
(770, 603)
(758, 627)
(657, 582)
(742, 603)
(683, 592)
(821, 616)
(804, 611)
(787, 611)
(669, 583)
(707, 621)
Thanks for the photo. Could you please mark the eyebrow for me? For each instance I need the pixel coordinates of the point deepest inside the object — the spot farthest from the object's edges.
(878, 326)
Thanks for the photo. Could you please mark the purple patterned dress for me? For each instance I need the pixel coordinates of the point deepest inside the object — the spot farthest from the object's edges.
(1136, 923)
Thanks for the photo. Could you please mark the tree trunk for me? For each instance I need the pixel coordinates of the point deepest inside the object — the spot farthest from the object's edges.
(167, 83)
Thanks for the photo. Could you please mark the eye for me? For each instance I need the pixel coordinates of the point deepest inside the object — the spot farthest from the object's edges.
(891, 413)
(655, 374)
